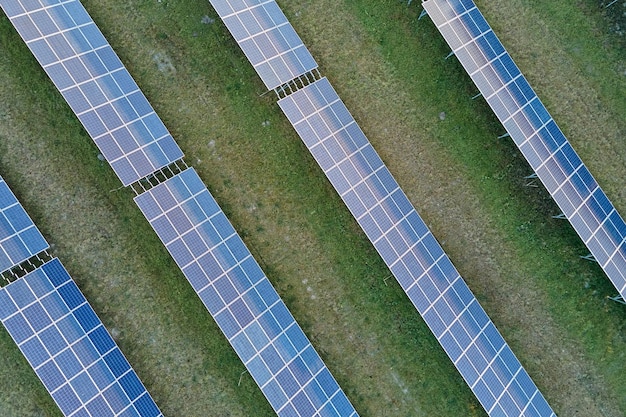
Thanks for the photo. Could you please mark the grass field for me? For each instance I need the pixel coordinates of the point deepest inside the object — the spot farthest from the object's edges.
(522, 265)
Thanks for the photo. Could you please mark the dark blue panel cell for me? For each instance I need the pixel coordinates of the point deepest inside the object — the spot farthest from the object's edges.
(193, 211)
(227, 323)
(495, 385)
(180, 252)
(67, 401)
(222, 225)
(341, 403)
(327, 382)
(132, 386)
(257, 336)
(243, 347)
(225, 289)
(274, 394)
(267, 292)
(196, 276)
(211, 299)
(16, 250)
(21, 294)
(39, 283)
(211, 268)
(54, 306)
(146, 407)
(311, 359)
(50, 376)
(34, 352)
(316, 394)
(382, 219)
(87, 318)
(287, 382)
(237, 248)
(450, 345)
(484, 395)
(282, 315)
(241, 312)
(164, 229)
(68, 363)
(478, 314)
(269, 324)
(259, 371)
(436, 325)
(71, 295)
(85, 351)
(224, 257)
(303, 405)
(36, 317)
(239, 279)
(525, 88)
(272, 359)
(467, 370)
(386, 251)
(195, 244)
(18, 218)
(101, 340)
(93, 36)
(116, 395)
(101, 374)
(285, 348)
(7, 307)
(84, 387)
(117, 363)
(99, 407)
(300, 371)
(254, 302)
(297, 337)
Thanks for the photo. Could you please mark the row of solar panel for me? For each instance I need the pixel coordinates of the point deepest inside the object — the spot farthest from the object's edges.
(68, 347)
(19, 238)
(267, 39)
(412, 253)
(92, 79)
(536, 134)
(236, 292)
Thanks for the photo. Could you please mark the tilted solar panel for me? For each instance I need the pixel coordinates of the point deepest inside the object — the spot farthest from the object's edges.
(68, 347)
(267, 39)
(411, 252)
(79, 60)
(533, 130)
(19, 237)
(241, 299)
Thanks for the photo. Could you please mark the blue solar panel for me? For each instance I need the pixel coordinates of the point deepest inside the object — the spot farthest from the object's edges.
(19, 238)
(412, 253)
(241, 299)
(68, 347)
(267, 39)
(533, 130)
(92, 79)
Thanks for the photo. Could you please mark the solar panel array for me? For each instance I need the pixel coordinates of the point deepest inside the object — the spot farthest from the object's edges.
(68, 347)
(96, 85)
(267, 39)
(104, 96)
(241, 299)
(19, 237)
(411, 252)
(533, 130)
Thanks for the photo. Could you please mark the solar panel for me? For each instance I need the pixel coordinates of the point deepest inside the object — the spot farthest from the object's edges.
(411, 252)
(68, 347)
(76, 56)
(533, 130)
(267, 39)
(19, 237)
(241, 299)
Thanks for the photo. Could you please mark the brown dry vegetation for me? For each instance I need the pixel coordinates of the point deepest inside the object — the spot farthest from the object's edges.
(521, 264)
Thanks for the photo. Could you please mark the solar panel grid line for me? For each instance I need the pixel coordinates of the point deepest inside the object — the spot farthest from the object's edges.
(413, 255)
(69, 348)
(19, 237)
(267, 39)
(240, 298)
(94, 82)
(533, 130)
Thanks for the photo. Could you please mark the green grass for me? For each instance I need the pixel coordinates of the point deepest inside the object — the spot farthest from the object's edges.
(465, 183)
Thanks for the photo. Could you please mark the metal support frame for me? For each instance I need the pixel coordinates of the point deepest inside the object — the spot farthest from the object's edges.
(505, 135)
(618, 299)
(589, 258)
(449, 55)
(561, 216)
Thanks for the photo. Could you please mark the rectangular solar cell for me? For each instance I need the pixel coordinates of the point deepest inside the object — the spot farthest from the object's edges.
(76, 56)
(412, 253)
(533, 130)
(19, 237)
(69, 348)
(267, 39)
(241, 299)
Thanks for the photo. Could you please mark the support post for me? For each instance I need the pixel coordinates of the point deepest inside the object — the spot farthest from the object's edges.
(506, 135)
(449, 55)
(561, 216)
(424, 12)
(589, 257)
(618, 299)
(476, 96)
